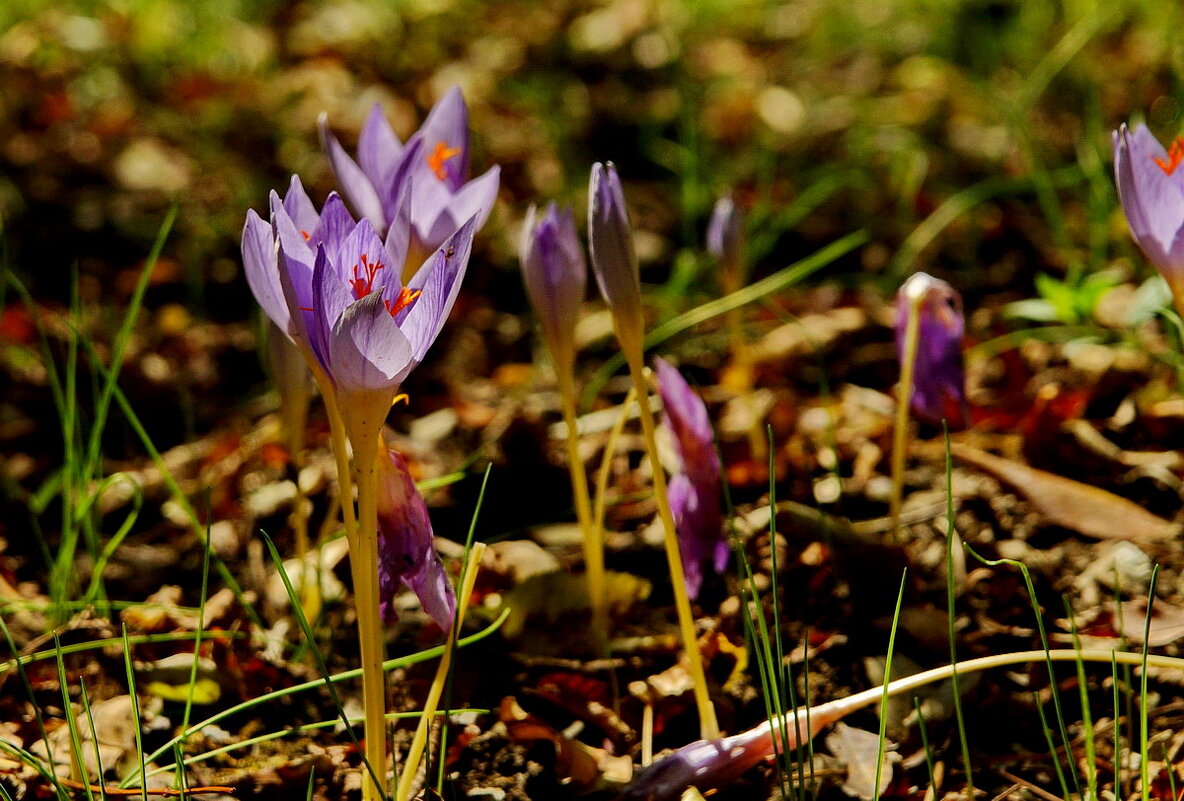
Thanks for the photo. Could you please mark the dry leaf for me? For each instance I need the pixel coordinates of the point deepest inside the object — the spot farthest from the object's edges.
(1071, 504)
(859, 750)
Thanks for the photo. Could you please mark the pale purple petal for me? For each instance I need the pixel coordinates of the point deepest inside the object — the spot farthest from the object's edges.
(1152, 198)
(398, 184)
(398, 236)
(938, 376)
(704, 764)
(367, 351)
(725, 231)
(336, 225)
(694, 492)
(379, 150)
(436, 212)
(555, 274)
(445, 130)
(261, 264)
(439, 279)
(405, 545)
(683, 507)
(610, 241)
(356, 187)
(300, 208)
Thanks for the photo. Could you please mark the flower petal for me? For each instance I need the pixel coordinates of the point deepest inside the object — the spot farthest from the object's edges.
(300, 208)
(446, 129)
(354, 184)
(405, 544)
(436, 212)
(379, 150)
(367, 351)
(261, 264)
(610, 241)
(439, 279)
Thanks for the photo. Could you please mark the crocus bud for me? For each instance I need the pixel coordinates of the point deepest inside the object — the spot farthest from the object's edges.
(1151, 188)
(938, 379)
(694, 491)
(555, 273)
(405, 543)
(725, 240)
(610, 241)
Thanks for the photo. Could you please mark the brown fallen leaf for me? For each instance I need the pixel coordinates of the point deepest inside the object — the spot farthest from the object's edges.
(1087, 510)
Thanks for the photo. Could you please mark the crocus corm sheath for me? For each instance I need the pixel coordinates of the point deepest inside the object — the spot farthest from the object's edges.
(938, 376)
(695, 490)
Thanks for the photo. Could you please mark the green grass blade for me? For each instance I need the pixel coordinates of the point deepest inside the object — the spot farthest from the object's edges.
(951, 613)
(887, 680)
(131, 690)
(310, 638)
(778, 281)
(1144, 731)
(72, 724)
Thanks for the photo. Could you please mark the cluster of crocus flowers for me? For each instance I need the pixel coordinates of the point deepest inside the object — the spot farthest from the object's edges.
(1151, 187)
(335, 286)
(937, 390)
(696, 489)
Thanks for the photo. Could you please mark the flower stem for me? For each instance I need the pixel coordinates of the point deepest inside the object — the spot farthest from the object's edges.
(593, 539)
(904, 398)
(340, 457)
(364, 565)
(708, 726)
(415, 753)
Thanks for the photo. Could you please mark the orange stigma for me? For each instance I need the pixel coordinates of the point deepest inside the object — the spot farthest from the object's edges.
(1175, 156)
(405, 299)
(307, 236)
(440, 155)
(363, 284)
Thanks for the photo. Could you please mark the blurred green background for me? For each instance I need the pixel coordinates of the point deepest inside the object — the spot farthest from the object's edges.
(826, 116)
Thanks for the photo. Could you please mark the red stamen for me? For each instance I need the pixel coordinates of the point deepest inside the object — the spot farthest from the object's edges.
(363, 285)
(405, 299)
(307, 236)
(440, 155)
(1175, 157)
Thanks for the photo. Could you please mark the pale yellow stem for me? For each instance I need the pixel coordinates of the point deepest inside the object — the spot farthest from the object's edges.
(708, 726)
(364, 565)
(904, 397)
(419, 741)
(742, 366)
(606, 459)
(593, 539)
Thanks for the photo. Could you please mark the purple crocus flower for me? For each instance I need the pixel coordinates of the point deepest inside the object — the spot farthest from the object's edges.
(556, 275)
(725, 233)
(1151, 188)
(694, 492)
(938, 377)
(610, 242)
(405, 549)
(432, 168)
(327, 281)
(703, 764)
